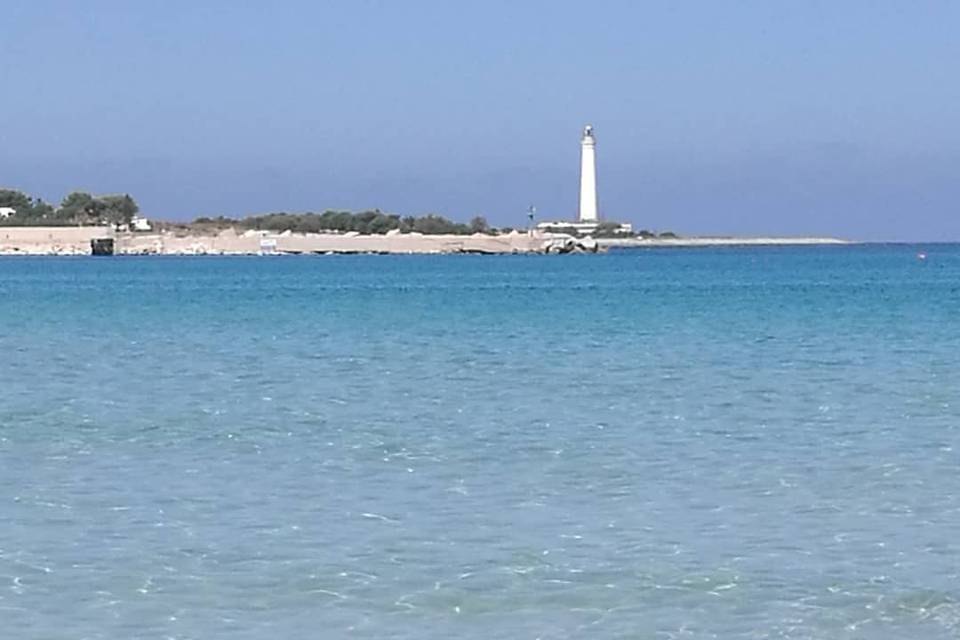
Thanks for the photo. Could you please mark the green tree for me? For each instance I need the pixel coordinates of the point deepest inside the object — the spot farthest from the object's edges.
(361, 221)
(407, 223)
(41, 210)
(15, 200)
(432, 224)
(383, 223)
(79, 207)
(119, 210)
(479, 225)
(28, 210)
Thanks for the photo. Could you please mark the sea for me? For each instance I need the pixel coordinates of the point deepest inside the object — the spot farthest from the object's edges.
(647, 444)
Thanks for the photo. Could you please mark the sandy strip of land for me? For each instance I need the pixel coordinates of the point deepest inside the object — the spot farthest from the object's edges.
(76, 241)
(714, 242)
(253, 242)
(47, 241)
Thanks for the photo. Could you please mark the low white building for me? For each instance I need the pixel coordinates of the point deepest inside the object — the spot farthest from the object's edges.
(584, 228)
(561, 226)
(6, 212)
(140, 224)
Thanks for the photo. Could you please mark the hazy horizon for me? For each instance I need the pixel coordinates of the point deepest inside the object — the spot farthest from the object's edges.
(754, 119)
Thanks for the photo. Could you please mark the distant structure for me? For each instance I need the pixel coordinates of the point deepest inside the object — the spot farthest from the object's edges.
(588, 176)
(588, 217)
(7, 212)
(139, 223)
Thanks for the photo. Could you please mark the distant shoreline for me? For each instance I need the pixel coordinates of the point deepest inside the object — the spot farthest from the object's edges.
(707, 241)
(53, 241)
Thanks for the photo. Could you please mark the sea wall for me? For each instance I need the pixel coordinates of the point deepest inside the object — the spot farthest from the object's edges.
(252, 242)
(49, 240)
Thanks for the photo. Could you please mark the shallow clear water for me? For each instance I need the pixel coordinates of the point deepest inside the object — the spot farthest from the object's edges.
(733, 443)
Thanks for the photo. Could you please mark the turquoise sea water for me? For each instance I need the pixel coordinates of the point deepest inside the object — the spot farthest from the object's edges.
(730, 443)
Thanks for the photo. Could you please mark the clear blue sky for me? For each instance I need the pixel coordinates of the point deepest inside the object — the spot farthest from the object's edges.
(758, 117)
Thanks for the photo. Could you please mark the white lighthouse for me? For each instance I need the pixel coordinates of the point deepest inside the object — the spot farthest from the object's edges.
(588, 176)
(588, 218)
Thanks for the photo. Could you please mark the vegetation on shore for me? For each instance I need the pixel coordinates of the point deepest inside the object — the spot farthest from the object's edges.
(83, 209)
(76, 209)
(366, 222)
(377, 222)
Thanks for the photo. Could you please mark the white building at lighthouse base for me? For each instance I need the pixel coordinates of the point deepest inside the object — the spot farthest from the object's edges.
(583, 228)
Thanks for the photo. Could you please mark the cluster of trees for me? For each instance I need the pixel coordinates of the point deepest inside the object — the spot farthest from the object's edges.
(378, 222)
(24, 206)
(81, 208)
(365, 222)
(78, 208)
(613, 230)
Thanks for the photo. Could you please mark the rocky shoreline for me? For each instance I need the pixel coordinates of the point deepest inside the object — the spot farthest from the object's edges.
(77, 241)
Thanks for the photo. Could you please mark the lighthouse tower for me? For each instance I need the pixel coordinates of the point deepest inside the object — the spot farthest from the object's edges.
(588, 176)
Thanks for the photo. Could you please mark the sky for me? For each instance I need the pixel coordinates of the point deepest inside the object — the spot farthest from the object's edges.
(737, 117)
